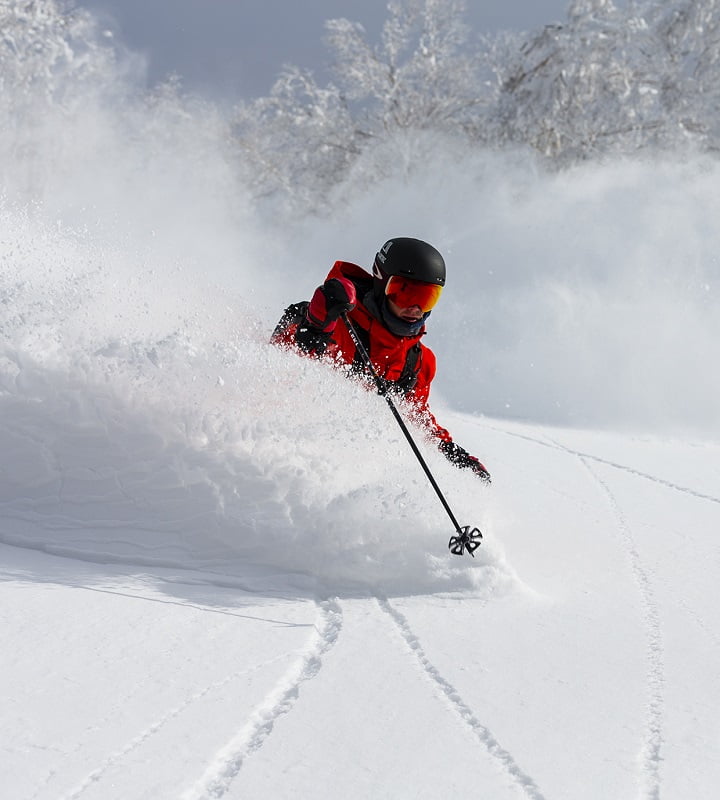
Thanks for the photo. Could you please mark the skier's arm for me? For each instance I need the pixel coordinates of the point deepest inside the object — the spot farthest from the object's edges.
(455, 454)
(463, 460)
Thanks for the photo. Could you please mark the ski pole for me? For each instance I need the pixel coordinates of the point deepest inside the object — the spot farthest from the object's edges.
(466, 538)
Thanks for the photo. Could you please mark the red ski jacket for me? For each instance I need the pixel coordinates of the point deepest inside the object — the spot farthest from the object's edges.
(388, 352)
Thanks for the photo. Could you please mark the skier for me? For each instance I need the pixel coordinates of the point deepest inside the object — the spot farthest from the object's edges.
(388, 310)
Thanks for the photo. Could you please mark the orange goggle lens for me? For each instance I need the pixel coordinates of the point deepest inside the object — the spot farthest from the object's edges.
(406, 293)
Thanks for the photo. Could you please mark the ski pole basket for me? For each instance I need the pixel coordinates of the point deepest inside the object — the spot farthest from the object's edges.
(467, 539)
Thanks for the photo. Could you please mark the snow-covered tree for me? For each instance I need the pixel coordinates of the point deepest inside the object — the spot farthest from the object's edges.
(49, 50)
(422, 75)
(683, 68)
(612, 78)
(297, 142)
(52, 56)
(617, 80)
(573, 89)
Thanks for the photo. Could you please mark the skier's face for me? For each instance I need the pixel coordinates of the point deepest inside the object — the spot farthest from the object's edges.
(411, 314)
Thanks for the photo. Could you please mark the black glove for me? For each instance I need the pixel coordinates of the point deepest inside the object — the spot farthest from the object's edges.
(463, 460)
(312, 339)
(334, 298)
(330, 301)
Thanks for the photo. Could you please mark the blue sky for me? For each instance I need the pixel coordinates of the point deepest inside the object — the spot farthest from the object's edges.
(236, 47)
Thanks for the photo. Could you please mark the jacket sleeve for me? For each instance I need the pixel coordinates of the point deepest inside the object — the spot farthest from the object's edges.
(419, 397)
(293, 330)
(284, 333)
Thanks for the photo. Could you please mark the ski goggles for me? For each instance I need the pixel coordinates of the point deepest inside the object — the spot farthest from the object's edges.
(406, 293)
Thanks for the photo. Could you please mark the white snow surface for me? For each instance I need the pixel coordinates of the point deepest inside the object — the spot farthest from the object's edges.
(224, 574)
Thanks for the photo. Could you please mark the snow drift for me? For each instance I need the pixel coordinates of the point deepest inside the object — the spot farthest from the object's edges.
(145, 418)
(188, 440)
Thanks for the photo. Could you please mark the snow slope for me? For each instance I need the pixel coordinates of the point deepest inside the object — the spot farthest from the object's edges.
(223, 573)
(583, 662)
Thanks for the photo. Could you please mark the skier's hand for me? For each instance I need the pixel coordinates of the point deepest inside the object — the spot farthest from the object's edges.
(463, 460)
(334, 298)
(311, 339)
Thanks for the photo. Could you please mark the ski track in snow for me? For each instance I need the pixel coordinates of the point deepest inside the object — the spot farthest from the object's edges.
(586, 457)
(229, 760)
(651, 750)
(482, 733)
(116, 757)
(700, 622)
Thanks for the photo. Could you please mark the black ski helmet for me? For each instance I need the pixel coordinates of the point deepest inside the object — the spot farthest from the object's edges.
(412, 257)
